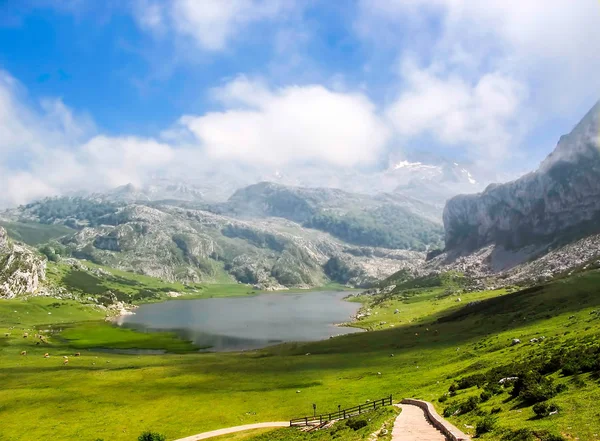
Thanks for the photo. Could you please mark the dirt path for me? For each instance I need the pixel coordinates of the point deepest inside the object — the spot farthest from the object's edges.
(228, 430)
(412, 425)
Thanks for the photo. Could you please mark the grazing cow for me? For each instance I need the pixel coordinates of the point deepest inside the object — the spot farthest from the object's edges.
(25, 335)
(46, 355)
(77, 354)
(66, 361)
(24, 353)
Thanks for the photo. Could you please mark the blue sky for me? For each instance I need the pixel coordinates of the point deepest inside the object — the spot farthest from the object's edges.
(119, 90)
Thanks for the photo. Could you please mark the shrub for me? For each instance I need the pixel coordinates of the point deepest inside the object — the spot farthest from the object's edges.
(461, 408)
(443, 398)
(495, 410)
(533, 388)
(485, 396)
(152, 436)
(518, 435)
(561, 388)
(552, 437)
(485, 425)
(451, 410)
(355, 424)
(469, 405)
(544, 409)
(493, 388)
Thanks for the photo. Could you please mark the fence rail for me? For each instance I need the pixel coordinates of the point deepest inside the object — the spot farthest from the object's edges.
(342, 414)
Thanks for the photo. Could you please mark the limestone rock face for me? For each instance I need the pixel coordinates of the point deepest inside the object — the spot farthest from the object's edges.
(21, 269)
(560, 201)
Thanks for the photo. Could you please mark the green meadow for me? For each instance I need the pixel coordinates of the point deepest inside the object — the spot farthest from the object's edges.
(434, 348)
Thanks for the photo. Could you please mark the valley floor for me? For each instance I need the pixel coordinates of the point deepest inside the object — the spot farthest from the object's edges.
(422, 351)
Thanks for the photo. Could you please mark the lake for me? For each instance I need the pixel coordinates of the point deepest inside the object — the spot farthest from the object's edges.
(244, 323)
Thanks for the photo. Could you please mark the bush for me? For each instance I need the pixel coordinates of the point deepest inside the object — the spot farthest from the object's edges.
(485, 396)
(443, 398)
(151, 436)
(355, 424)
(552, 437)
(528, 435)
(485, 425)
(461, 408)
(544, 409)
(469, 405)
(451, 410)
(495, 410)
(518, 435)
(533, 388)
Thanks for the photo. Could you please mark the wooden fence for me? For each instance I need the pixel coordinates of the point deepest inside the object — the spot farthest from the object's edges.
(341, 414)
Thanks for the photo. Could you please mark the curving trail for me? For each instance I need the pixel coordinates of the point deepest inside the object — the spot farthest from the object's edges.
(228, 430)
(413, 425)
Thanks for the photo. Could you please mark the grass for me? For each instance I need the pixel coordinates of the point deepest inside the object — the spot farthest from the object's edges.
(33, 233)
(435, 342)
(374, 423)
(133, 288)
(245, 435)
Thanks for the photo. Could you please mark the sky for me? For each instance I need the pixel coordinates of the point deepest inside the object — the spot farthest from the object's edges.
(94, 94)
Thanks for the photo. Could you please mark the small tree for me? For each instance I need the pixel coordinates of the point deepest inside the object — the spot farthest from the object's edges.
(152, 436)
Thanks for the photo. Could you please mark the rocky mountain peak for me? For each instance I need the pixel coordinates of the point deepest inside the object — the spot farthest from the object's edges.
(558, 202)
(582, 143)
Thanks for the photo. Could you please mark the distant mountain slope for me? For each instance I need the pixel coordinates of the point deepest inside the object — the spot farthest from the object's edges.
(384, 220)
(180, 243)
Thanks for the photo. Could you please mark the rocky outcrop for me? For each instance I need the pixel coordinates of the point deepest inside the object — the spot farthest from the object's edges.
(558, 203)
(21, 269)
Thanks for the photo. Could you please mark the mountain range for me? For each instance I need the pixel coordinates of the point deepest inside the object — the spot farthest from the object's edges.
(272, 235)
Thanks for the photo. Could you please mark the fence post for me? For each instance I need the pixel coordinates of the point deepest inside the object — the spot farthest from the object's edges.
(306, 421)
(320, 419)
(344, 413)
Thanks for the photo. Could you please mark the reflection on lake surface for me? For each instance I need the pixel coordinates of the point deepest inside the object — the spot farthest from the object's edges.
(242, 323)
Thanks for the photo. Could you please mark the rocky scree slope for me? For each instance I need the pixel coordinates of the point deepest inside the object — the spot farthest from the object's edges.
(551, 214)
(21, 269)
(191, 245)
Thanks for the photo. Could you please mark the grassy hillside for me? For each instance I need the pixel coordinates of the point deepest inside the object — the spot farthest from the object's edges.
(97, 280)
(435, 348)
(33, 233)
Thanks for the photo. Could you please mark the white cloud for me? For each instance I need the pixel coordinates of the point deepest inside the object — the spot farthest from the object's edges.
(211, 24)
(49, 150)
(296, 124)
(481, 116)
(508, 61)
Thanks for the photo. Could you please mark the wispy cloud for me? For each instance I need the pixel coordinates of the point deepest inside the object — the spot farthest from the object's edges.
(211, 24)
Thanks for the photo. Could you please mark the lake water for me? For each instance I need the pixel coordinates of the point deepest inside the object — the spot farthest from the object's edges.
(243, 323)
